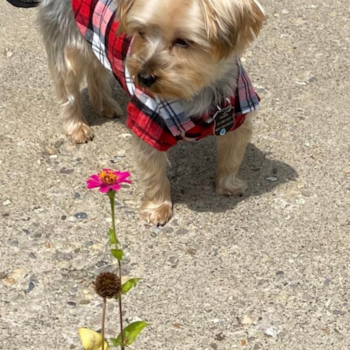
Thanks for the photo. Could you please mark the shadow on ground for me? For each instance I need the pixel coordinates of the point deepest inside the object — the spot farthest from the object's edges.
(193, 171)
(193, 167)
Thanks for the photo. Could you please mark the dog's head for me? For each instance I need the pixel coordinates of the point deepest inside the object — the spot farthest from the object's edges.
(180, 46)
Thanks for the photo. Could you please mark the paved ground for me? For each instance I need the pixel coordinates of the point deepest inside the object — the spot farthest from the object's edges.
(266, 271)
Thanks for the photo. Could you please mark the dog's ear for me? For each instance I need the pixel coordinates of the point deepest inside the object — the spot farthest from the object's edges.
(232, 24)
(123, 7)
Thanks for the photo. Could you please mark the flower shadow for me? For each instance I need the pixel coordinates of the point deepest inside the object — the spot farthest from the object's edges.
(193, 171)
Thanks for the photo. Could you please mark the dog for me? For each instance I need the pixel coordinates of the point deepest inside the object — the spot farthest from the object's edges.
(180, 63)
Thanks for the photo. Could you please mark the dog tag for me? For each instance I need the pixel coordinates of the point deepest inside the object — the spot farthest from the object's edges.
(223, 120)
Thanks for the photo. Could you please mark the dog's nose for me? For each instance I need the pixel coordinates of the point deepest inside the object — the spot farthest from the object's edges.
(147, 79)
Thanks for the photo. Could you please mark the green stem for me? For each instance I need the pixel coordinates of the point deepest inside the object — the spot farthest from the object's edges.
(111, 195)
(103, 322)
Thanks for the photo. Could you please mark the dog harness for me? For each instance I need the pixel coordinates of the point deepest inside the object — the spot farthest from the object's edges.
(159, 122)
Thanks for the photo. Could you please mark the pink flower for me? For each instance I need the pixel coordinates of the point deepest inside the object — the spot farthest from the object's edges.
(108, 180)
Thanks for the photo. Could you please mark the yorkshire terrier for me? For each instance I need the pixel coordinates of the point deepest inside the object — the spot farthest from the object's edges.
(179, 61)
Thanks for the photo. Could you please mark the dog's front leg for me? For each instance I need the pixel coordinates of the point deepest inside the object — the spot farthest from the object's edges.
(231, 150)
(156, 207)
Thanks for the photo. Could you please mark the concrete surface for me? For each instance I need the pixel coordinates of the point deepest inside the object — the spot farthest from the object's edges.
(266, 271)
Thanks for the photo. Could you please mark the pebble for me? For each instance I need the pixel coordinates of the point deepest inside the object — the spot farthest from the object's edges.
(156, 230)
(63, 217)
(7, 202)
(81, 215)
(168, 230)
(273, 331)
(272, 179)
(38, 210)
(50, 150)
(3, 274)
(84, 302)
(181, 231)
(26, 231)
(77, 195)
(30, 287)
(71, 303)
(13, 243)
(9, 281)
(66, 171)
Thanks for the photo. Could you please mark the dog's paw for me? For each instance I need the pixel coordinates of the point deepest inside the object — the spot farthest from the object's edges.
(81, 134)
(111, 109)
(157, 214)
(230, 185)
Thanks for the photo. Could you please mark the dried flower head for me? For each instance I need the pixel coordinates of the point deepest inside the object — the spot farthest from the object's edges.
(107, 285)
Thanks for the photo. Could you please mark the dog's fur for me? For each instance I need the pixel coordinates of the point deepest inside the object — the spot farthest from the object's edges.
(191, 46)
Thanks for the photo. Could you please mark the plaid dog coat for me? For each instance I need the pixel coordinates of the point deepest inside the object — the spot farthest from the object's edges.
(160, 123)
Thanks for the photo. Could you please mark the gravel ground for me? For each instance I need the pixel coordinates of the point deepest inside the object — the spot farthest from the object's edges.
(265, 271)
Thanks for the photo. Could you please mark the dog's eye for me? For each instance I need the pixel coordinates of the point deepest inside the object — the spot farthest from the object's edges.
(142, 34)
(181, 43)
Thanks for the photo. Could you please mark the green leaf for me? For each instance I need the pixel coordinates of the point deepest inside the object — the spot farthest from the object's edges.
(116, 342)
(111, 236)
(131, 332)
(130, 284)
(117, 253)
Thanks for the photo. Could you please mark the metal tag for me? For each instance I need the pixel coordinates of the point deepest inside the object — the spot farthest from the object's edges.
(223, 120)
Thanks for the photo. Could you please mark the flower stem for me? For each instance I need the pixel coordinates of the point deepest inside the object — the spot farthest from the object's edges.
(121, 309)
(103, 322)
(111, 195)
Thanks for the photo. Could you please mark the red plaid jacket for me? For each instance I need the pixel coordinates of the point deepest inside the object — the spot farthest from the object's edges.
(95, 20)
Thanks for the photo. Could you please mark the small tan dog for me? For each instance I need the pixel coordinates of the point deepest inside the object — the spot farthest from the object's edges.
(183, 50)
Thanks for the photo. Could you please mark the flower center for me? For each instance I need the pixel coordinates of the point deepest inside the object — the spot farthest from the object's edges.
(107, 177)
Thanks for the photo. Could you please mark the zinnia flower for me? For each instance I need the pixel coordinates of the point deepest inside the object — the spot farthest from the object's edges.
(108, 180)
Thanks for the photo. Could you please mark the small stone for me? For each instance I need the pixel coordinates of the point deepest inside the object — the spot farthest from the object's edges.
(337, 312)
(327, 282)
(312, 79)
(191, 251)
(156, 230)
(7, 202)
(285, 12)
(84, 302)
(32, 255)
(63, 217)
(220, 337)
(26, 231)
(77, 195)
(9, 281)
(214, 346)
(273, 331)
(30, 287)
(59, 143)
(247, 320)
(71, 303)
(50, 150)
(9, 53)
(66, 171)
(181, 231)
(38, 210)
(13, 243)
(101, 263)
(81, 215)
(272, 179)
(3, 274)
(325, 331)
(243, 342)
(168, 230)
(279, 273)
(89, 244)
(174, 261)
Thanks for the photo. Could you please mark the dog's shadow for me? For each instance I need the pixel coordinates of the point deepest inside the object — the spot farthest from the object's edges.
(193, 167)
(193, 171)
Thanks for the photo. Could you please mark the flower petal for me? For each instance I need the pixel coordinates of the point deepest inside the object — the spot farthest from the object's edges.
(116, 187)
(105, 188)
(92, 183)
